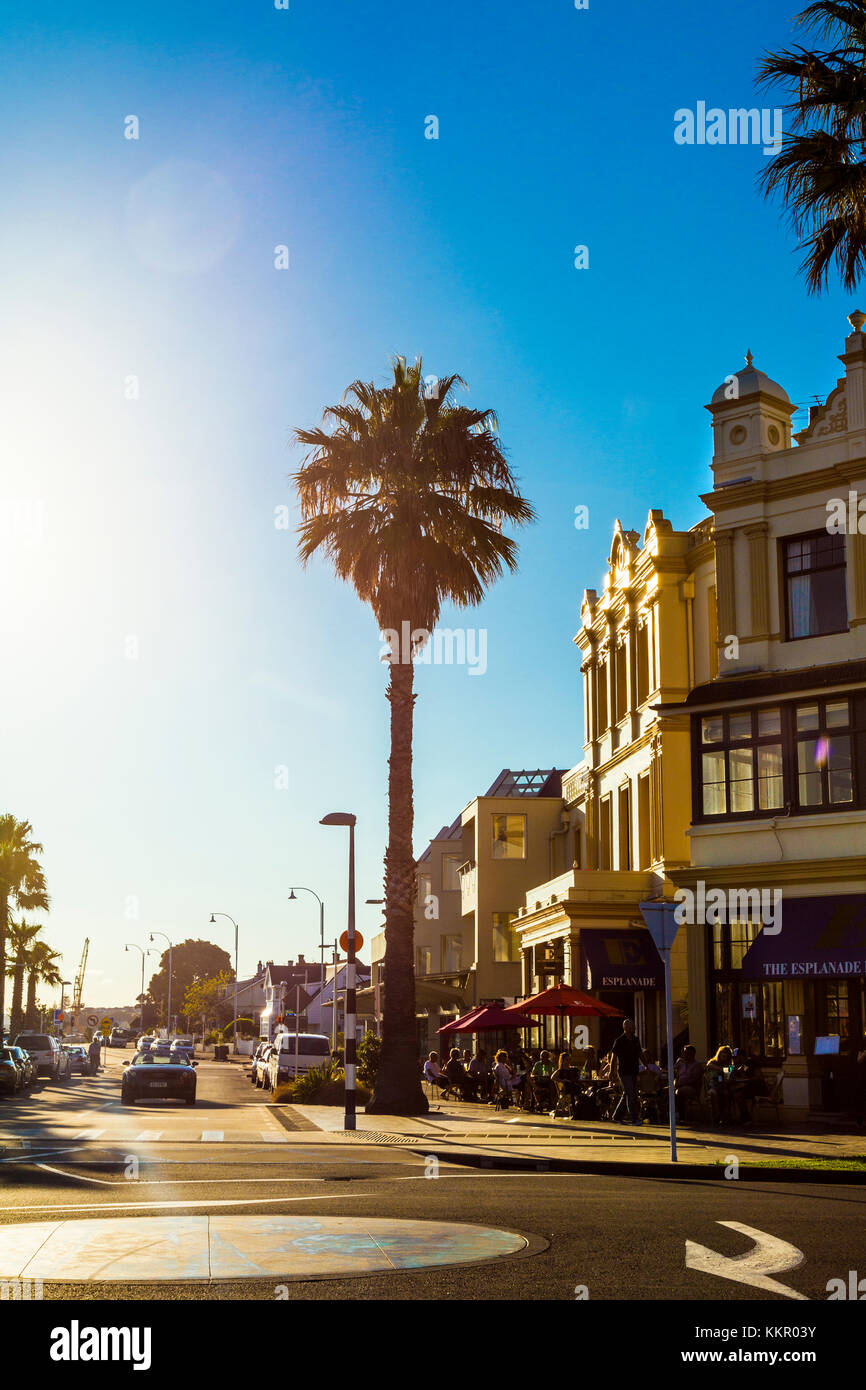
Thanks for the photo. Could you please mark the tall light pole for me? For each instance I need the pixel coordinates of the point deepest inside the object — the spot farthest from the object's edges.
(165, 938)
(292, 898)
(131, 946)
(346, 818)
(63, 984)
(235, 925)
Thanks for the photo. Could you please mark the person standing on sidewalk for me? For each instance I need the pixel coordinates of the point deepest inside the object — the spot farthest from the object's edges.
(93, 1054)
(626, 1059)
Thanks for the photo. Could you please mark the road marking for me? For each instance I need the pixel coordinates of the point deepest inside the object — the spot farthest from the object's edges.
(89, 1134)
(79, 1177)
(770, 1256)
(176, 1206)
(269, 1138)
(212, 1136)
(148, 1136)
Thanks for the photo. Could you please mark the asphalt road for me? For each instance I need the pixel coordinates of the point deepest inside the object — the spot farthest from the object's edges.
(601, 1238)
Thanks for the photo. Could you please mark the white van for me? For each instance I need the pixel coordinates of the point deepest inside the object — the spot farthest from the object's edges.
(313, 1051)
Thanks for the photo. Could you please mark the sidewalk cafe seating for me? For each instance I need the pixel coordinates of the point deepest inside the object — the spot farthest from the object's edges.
(652, 1093)
(773, 1099)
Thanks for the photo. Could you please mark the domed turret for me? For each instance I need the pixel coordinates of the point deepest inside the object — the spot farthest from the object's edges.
(751, 418)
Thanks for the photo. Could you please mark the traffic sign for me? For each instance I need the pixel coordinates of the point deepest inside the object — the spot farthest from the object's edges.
(92, 1020)
(359, 941)
(105, 1027)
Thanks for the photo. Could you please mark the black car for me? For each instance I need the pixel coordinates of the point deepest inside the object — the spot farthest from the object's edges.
(10, 1072)
(149, 1077)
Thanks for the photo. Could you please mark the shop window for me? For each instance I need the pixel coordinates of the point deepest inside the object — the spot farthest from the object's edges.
(815, 598)
(741, 762)
(748, 1014)
(837, 1018)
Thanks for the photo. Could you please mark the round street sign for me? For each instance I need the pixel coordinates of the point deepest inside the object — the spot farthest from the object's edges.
(344, 941)
(92, 1020)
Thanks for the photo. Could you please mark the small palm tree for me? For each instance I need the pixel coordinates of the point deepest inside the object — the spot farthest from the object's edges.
(21, 936)
(43, 970)
(22, 883)
(820, 170)
(406, 497)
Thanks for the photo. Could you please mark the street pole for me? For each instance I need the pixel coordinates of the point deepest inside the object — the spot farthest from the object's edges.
(300, 889)
(168, 1005)
(661, 919)
(351, 1047)
(297, 1017)
(235, 925)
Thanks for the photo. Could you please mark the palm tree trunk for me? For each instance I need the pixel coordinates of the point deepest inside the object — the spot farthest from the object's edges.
(16, 1020)
(30, 1019)
(398, 1083)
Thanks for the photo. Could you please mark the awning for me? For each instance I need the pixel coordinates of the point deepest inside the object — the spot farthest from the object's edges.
(820, 938)
(620, 960)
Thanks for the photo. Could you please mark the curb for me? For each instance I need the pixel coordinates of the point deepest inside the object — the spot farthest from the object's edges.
(671, 1171)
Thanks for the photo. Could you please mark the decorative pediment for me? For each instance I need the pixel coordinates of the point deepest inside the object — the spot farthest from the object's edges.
(829, 418)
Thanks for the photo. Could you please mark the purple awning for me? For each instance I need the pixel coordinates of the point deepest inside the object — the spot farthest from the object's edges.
(620, 960)
(819, 938)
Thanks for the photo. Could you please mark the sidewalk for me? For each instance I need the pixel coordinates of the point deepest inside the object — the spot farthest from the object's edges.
(463, 1132)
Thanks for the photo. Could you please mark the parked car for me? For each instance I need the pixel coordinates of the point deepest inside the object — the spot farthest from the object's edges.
(28, 1066)
(257, 1056)
(46, 1052)
(262, 1075)
(152, 1077)
(144, 1042)
(10, 1072)
(78, 1058)
(313, 1050)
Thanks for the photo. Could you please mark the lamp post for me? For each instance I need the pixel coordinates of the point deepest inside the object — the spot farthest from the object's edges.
(346, 818)
(131, 946)
(63, 984)
(168, 1007)
(292, 898)
(235, 925)
(661, 920)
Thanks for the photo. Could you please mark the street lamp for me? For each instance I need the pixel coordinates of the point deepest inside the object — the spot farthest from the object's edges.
(213, 916)
(131, 945)
(165, 938)
(351, 1055)
(63, 984)
(292, 898)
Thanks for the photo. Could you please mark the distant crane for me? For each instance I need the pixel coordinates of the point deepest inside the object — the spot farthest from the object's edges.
(79, 984)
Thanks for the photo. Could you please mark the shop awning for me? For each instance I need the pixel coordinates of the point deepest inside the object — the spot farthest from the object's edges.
(620, 960)
(820, 938)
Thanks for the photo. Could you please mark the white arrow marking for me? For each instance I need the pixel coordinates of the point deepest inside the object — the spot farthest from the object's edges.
(770, 1256)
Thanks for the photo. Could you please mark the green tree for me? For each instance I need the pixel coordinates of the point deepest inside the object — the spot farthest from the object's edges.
(22, 884)
(820, 170)
(191, 961)
(21, 937)
(406, 497)
(207, 997)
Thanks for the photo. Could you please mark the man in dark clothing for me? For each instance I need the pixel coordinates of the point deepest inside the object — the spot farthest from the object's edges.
(93, 1054)
(626, 1063)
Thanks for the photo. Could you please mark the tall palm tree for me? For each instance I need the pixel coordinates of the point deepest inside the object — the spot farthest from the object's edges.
(21, 936)
(820, 170)
(22, 883)
(43, 970)
(406, 496)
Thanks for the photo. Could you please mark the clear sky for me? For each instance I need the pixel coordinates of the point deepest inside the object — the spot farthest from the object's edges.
(164, 656)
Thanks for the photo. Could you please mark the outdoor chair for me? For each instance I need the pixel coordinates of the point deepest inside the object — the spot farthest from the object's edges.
(503, 1099)
(773, 1099)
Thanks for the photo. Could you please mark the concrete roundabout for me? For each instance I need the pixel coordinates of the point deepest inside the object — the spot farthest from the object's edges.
(173, 1248)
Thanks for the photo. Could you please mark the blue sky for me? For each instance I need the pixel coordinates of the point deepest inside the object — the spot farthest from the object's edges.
(164, 652)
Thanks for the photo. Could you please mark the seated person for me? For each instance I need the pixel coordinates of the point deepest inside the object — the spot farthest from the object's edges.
(434, 1073)
(502, 1072)
(540, 1077)
(479, 1071)
(565, 1080)
(688, 1075)
(718, 1073)
(458, 1078)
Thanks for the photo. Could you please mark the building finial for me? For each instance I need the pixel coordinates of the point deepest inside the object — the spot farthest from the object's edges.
(857, 320)
(749, 358)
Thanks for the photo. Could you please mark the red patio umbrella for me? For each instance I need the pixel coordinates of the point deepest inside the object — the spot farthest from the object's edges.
(488, 1016)
(562, 1001)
